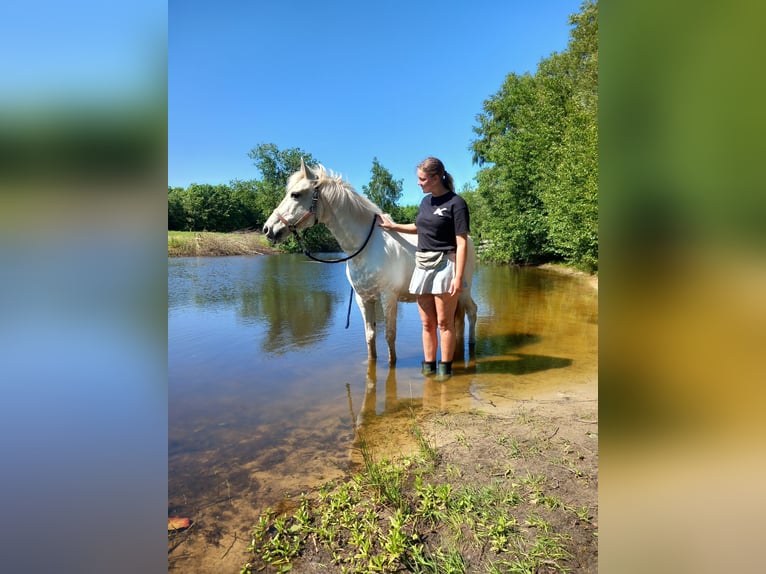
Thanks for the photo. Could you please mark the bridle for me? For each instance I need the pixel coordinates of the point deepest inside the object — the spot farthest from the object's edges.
(293, 228)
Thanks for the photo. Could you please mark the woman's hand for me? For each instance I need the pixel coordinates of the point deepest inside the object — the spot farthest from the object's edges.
(456, 286)
(385, 221)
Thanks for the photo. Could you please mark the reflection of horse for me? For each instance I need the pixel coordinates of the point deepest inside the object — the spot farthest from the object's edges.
(435, 397)
(381, 263)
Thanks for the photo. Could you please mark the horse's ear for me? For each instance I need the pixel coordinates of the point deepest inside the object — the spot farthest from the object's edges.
(307, 173)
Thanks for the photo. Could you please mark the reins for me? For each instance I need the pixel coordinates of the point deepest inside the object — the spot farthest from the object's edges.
(308, 254)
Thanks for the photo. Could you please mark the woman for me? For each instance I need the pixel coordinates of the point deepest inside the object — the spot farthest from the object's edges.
(442, 225)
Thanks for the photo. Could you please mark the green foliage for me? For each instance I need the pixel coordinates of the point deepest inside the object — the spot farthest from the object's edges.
(176, 213)
(405, 214)
(478, 209)
(384, 190)
(537, 147)
(244, 195)
(205, 207)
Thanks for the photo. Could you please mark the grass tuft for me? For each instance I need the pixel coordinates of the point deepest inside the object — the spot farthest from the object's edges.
(396, 516)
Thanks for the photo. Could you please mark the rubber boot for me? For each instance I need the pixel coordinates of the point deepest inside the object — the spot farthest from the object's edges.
(428, 368)
(444, 370)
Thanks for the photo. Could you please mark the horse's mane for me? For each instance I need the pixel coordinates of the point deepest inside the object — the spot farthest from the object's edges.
(341, 194)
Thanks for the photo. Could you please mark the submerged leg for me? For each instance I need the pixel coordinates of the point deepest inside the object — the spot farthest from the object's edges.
(368, 315)
(389, 308)
(460, 311)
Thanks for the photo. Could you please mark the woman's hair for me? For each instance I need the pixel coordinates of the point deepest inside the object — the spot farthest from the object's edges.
(434, 166)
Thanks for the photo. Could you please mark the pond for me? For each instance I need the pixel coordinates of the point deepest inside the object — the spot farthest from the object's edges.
(268, 390)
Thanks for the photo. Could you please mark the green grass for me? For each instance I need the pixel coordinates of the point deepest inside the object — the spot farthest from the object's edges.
(396, 516)
(209, 243)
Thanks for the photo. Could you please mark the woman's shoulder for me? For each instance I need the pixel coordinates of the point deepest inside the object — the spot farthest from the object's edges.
(457, 200)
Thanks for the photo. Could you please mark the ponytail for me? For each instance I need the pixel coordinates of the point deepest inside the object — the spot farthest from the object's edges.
(434, 166)
(448, 182)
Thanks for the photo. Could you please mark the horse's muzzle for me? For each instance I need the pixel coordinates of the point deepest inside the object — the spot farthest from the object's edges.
(274, 233)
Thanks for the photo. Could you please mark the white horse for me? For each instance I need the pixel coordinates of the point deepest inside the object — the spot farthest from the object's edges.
(381, 262)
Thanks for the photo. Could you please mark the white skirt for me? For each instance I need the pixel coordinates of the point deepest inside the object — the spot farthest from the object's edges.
(434, 281)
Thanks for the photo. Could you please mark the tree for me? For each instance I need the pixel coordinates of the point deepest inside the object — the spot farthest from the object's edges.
(537, 148)
(176, 212)
(405, 213)
(512, 147)
(384, 190)
(477, 208)
(207, 207)
(571, 190)
(247, 213)
(276, 165)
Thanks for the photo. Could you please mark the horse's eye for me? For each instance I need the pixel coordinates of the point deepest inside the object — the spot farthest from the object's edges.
(295, 195)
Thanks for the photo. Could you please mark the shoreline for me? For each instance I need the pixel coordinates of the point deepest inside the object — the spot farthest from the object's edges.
(218, 244)
(222, 244)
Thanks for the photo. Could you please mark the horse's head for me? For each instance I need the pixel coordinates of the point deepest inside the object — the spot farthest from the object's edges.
(298, 209)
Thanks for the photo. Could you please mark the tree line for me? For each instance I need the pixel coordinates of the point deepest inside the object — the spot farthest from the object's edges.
(247, 204)
(536, 143)
(536, 198)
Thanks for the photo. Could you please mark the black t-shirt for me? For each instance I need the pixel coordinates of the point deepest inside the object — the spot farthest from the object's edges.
(439, 220)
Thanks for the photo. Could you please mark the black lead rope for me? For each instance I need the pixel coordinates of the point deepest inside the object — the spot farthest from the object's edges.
(348, 314)
(342, 259)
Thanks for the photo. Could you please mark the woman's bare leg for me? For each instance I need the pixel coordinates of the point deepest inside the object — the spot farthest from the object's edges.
(445, 305)
(428, 317)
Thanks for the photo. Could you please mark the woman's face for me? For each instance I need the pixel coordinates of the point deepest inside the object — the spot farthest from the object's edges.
(428, 183)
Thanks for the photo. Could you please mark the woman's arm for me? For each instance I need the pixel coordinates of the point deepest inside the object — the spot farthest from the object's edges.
(460, 256)
(386, 223)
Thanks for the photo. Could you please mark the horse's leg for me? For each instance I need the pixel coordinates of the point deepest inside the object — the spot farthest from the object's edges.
(389, 308)
(469, 305)
(459, 329)
(460, 311)
(368, 315)
(471, 311)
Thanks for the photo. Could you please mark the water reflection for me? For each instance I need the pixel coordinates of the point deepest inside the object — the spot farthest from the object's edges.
(291, 298)
(383, 397)
(269, 392)
(296, 305)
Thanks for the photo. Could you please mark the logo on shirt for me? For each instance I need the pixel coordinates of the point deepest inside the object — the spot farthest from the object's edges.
(440, 211)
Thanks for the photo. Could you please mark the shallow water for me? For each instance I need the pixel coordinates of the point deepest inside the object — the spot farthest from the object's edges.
(268, 390)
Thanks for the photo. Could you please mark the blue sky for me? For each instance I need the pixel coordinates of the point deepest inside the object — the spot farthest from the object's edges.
(345, 81)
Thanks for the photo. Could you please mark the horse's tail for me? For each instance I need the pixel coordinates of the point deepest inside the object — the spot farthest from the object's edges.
(465, 303)
(470, 262)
